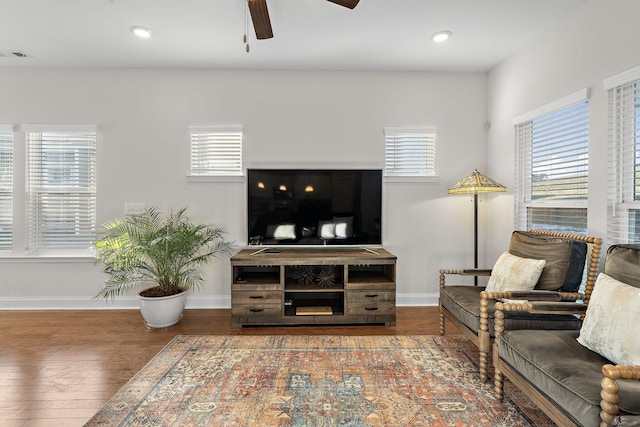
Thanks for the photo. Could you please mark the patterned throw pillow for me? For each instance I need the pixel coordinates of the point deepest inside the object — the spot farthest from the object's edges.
(512, 273)
(608, 324)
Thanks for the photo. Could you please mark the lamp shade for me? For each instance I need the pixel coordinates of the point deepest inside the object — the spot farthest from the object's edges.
(475, 183)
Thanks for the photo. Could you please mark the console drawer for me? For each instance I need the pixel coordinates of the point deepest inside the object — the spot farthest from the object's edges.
(371, 302)
(256, 297)
(256, 310)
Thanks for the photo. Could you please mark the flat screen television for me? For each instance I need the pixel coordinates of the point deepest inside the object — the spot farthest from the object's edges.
(310, 207)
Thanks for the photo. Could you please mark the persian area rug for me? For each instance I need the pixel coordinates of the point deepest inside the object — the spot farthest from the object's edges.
(315, 381)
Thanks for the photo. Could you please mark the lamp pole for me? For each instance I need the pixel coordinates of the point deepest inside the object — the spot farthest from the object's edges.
(475, 236)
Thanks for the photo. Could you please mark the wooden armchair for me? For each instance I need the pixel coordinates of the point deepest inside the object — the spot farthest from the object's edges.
(568, 258)
(561, 371)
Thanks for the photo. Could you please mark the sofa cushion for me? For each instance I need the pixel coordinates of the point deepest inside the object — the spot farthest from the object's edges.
(463, 302)
(570, 374)
(555, 251)
(623, 263)
(513, 273)
(608, 324)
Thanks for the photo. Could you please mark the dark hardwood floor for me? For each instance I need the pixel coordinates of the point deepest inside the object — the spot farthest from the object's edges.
(58, 368)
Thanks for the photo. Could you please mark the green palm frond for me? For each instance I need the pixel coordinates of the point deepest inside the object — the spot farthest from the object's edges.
(168, 250)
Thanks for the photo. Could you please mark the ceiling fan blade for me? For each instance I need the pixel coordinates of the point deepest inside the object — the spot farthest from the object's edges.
(346, 3)
(260, 18)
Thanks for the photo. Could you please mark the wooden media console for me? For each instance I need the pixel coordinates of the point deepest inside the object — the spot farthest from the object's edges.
(302, 286)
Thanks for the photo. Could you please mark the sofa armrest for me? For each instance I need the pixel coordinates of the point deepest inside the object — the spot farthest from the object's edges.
(609, 393)
(463, 272)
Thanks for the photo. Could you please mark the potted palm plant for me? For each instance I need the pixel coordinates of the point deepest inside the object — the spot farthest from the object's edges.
(166, 251)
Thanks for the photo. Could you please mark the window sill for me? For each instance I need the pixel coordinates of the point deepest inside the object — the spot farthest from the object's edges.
(430, 178)
(215, 178)
(9, 258)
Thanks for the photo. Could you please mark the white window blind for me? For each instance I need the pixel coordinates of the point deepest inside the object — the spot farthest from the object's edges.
(216, 151)
(410, 152)
(61, 187)
(552, 169)
(6, 188)
(623, 204)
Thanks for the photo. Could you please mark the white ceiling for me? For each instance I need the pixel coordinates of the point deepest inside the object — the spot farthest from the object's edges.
(308, 34)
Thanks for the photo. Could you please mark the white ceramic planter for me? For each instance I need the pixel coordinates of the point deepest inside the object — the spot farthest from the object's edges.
(160, 312)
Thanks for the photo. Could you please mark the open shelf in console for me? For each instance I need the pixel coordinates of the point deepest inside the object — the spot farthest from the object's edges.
(294, 300)
(256, 275)
(313, 278)
(372, 274)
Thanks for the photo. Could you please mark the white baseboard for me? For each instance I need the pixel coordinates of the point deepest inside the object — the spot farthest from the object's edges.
(416, 300)
(193, 301)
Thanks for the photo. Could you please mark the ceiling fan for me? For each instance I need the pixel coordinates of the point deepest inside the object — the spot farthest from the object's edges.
(262, 23)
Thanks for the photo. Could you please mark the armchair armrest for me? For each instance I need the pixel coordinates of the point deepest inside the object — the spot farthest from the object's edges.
(542, 307)
(541, 295)
(464, 272)
(609, 393)
(572, 296)
(476, 272)
(535, 295)
(535, 307)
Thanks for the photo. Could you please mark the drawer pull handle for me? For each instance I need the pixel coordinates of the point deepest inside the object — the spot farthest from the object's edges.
(372, 296)
(256, 297)
(371, 308)
(256, 310)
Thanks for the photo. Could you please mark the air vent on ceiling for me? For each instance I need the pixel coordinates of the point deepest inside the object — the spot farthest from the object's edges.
(14, 54)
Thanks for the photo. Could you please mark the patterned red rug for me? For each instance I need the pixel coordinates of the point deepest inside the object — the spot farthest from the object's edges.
(315, 381)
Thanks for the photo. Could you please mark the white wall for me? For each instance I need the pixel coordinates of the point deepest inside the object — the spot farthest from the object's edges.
(598, 40)
(293, 119)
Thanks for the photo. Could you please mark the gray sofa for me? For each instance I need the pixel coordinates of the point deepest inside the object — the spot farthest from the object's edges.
(572, 384)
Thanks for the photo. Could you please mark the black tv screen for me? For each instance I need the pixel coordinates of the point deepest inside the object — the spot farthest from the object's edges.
(314, 207)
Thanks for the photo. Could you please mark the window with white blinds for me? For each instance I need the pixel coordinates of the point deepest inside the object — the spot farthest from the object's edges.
(410, 152)
(216, 151)
(552, 166)
(61, 188)
(623, 204)
(6, 188)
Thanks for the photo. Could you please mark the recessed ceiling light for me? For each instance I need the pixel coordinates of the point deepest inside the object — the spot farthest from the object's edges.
(441, 36)
(142, 32)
